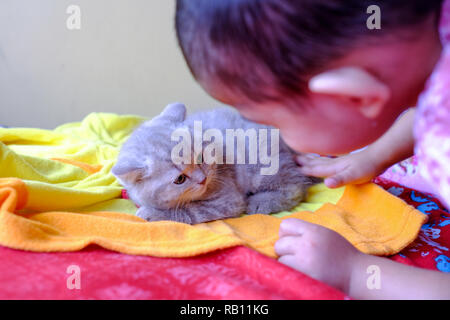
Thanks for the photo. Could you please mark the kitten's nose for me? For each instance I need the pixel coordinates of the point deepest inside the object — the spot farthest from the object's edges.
(203, 181)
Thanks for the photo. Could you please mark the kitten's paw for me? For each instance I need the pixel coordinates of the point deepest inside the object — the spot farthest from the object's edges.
(269, 202)
(260, 203)
(150, 214)
(143, 213)
(258, 208)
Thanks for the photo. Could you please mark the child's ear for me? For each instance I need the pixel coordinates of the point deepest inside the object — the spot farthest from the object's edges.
(356, 85)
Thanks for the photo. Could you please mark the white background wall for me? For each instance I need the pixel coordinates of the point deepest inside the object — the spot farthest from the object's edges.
(125, 59)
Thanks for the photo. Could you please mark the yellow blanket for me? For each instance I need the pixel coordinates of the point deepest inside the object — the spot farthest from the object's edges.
(57, 194)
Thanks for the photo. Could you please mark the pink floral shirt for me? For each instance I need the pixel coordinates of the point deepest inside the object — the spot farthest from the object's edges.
(432, 127)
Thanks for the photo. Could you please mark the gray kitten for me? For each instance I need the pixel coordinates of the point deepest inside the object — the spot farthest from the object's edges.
(195, 193)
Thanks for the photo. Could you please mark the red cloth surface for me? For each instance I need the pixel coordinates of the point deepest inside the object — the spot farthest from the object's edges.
(235, 273)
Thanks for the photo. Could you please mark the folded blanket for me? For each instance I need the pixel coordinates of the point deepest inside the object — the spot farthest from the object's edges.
(31, 154)
(57, 194)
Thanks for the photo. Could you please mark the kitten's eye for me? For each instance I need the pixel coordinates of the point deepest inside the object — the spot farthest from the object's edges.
(181, 179)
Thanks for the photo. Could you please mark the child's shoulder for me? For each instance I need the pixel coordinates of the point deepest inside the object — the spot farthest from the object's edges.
(445, 22)
(432, 129)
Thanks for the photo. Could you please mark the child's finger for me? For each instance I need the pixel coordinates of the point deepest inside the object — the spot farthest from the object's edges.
(303, 159)
(307, 156)
(319, 170)
(339, 180)
(288, 260)
(308, 159)
(286, 245)
(292, 227)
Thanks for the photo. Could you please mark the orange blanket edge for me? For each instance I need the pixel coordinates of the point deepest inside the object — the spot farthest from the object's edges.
(132, 235)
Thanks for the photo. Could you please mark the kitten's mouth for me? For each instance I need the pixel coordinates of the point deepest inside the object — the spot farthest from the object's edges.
(203, 188)
(208, 185)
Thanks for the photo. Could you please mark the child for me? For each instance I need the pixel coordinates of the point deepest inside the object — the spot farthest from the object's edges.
(331, 85)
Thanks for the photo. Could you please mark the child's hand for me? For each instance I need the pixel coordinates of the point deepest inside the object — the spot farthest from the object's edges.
(326, 256)
(354, 168)
(395, 145)
(316, 251)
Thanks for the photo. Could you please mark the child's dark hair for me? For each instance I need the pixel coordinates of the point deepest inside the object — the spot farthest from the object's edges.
(264, 49)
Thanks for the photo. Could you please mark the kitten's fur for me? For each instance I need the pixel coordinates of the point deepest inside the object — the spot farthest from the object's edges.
(146, 170)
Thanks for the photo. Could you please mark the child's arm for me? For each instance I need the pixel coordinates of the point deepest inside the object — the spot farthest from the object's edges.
(395, 145)
(397, 281)
(326, 256)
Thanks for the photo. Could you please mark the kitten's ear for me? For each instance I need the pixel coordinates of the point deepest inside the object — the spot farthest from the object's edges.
(127, 171)
(175, 112)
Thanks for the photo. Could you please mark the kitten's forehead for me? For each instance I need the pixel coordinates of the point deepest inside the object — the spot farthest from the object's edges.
(153, 143)
(149, 163)
(160, 164)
